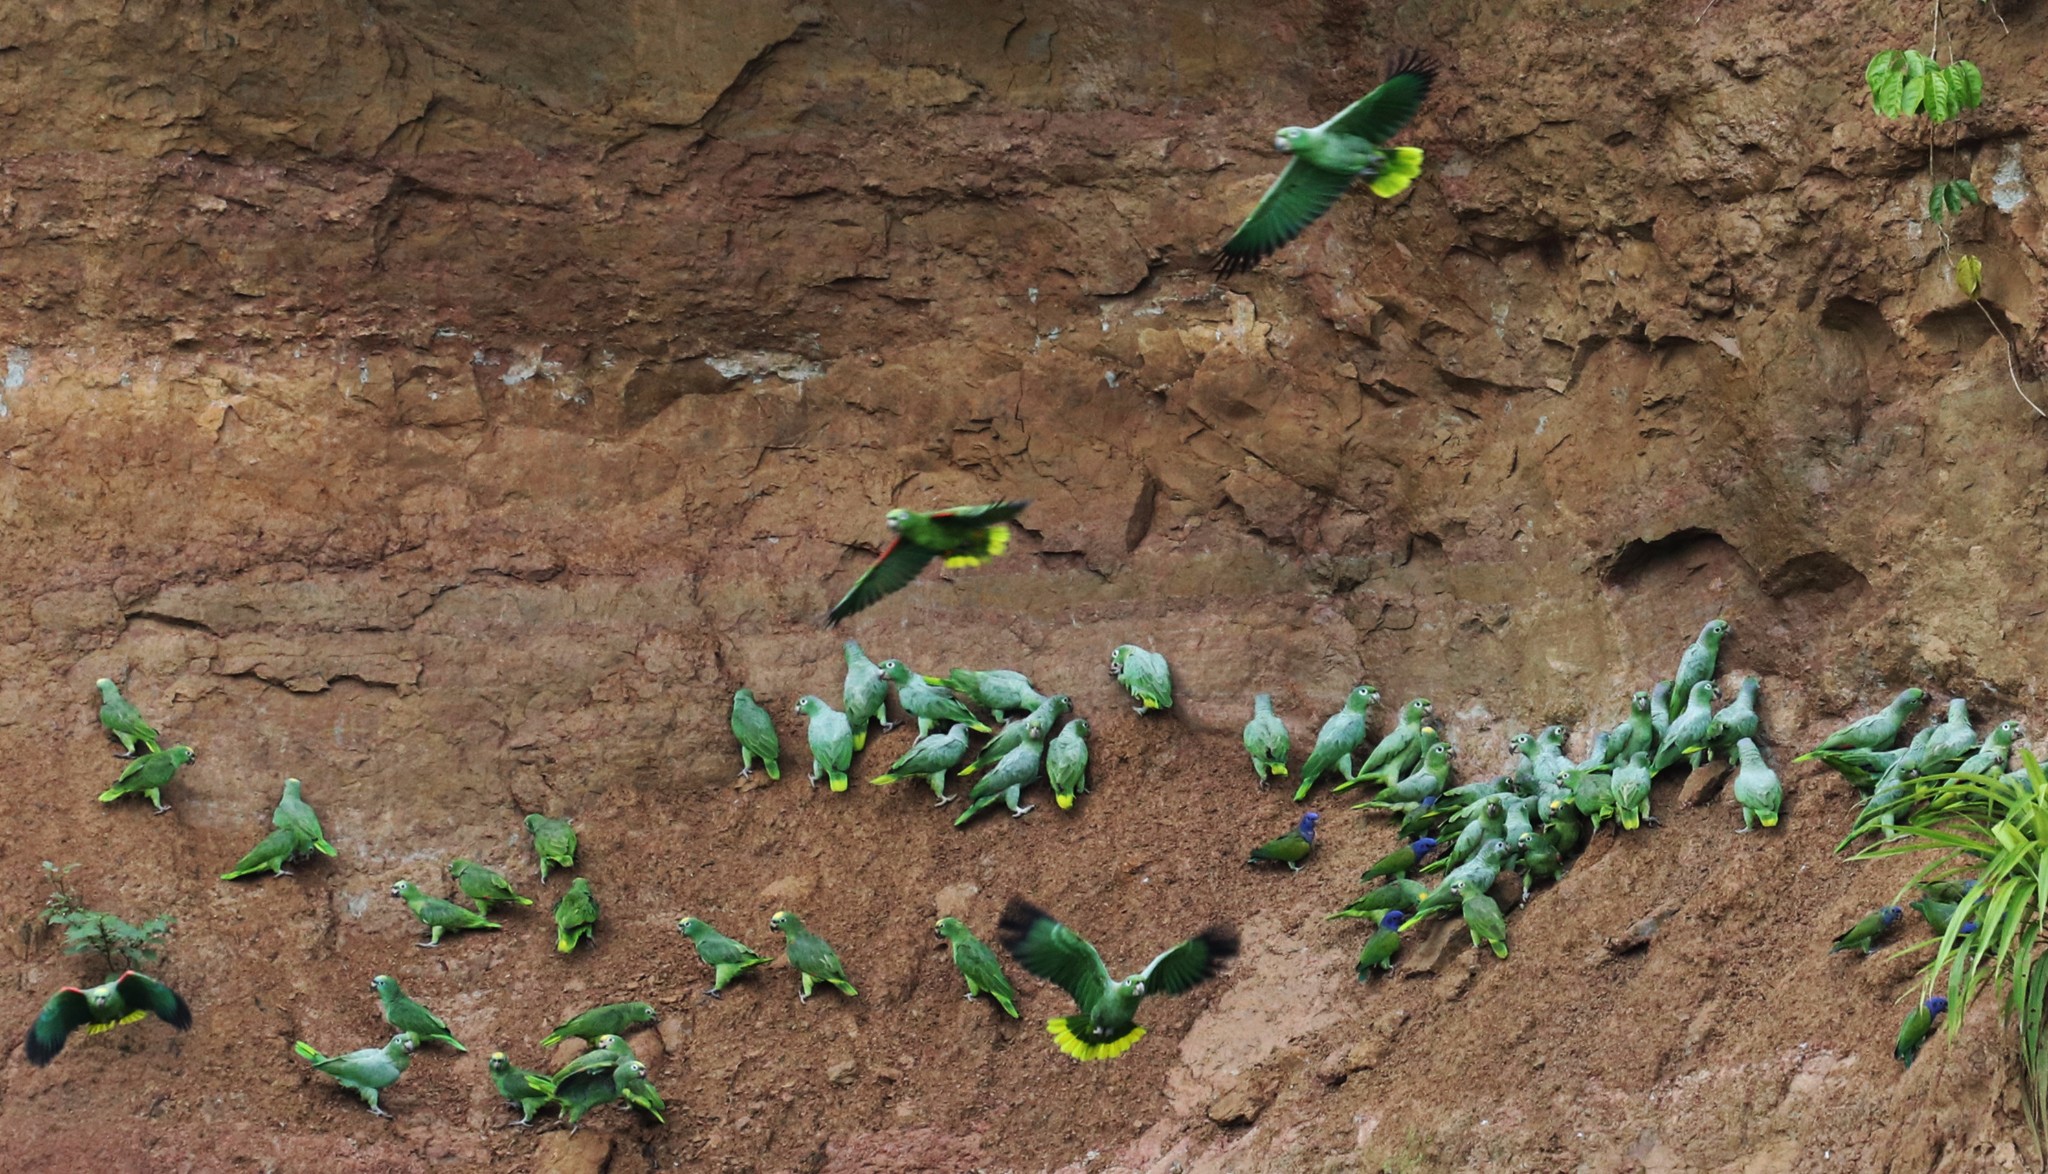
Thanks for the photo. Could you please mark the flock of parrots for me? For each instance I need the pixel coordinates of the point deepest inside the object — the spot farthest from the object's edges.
(1531, 820)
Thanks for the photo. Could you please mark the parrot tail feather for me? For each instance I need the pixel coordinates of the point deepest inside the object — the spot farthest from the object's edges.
(860, 739)
(978, 728)
(110, 794)
(130, 1017)
(1277, 769)
(1079, 1048)
(838, 782)
(1768, 818)
(884, 780)
(307, 1051)
(326, 849)
(1402, 166)
(563, 943)
(1066, 802)
(994, 541)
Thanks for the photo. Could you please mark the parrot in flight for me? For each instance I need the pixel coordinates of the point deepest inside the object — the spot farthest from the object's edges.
(123, 721)
(1327, 158)
(965, 536)
(102, 1008)
(1105, 1026)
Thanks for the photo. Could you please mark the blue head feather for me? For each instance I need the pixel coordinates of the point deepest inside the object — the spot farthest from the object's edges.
(1968, 927)
(1423, 846)
(1428, 802)
(1393, 919)
(1308, 826)
(1937, 1004)
(1890, 914)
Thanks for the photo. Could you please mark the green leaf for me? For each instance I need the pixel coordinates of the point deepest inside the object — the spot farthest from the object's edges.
(1967, 84)
(1885, 75)
(1969, 274)
(1913, 95)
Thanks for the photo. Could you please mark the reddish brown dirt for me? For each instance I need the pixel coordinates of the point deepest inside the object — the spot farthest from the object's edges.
(450, 404)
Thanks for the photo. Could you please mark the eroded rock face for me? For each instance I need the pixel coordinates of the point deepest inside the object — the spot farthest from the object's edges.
(449, 405)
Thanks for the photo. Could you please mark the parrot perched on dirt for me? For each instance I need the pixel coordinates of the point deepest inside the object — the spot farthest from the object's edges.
(1401, 861)
(1404, 895)
(1547, 760)
(1289, 849)
(1398, 752)
(815, 961)
(1007, 780)
(965, 536)
(1952, 740)
(1379, 949)
(1918, 1026)
(1144, 675)
(1266, 740)
(1865, 934)
(999, 691)
(1636, 732)
(866, 695)
(1474, 876)
(1757, 787)
(1937, 913)
(1045, 717)
(271, 853)
(1104, 1026)
(977, 964)
(528, 1091)
(401, 1012)
(295, 815)
(1875, 731)
(756, 733)
(1429, 779)
(1327, 158)
(1697, 663)
(554, 841)
(598, 1022)
(1660, 712)
(123, 721)
(437, 915)
(1488, 926)
(831, 739)
(727, 958)
(365, 1071)
(1537, 858)
(105, 1007)
(930, 704)
(931, 756)
(578, 1094)
(1338, 740)
(1630, 787)
(483, 885)
(1686, 736)
(1066, 763)
(1990, 758)
(575, 915)
(1736, 721)
(630, 1081)
(606, 1052)
(149, 775)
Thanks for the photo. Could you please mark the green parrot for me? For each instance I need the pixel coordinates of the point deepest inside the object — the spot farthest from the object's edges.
(1338, 740)
(977, 964)
(1539, 860)
(1598, 756)
(1863, 768)
(148, 775)
(1327, 158)
(1951, 742)
(1518, 819)
(1398, 752)
(1017, 770)
(1876, 731)
(756, 733)
(1144, 675)
(554, 841)
(437, 915)
(295, 815)
(1660, 712)
(1266, 740)
(1474, 876)
(606, 1053)
(727, 958)
(575, 916)
(584, 1091)
(965, 536)
(814, 960)
(366, 1071)
(1378, 952)
(1105, 1026)
(1524, 777)
(1950, 890)
(1697, 663)
(1631, 789)
(526, 1090)
(401, 1012)
(1864, 935)
(272, 853)
(1488, 926)
(1991, 757)
(931, 756)
(123, 721)
(866, 696)
(1757, 787)
(1636, 732)
(1429, 779)
(483, 884)
(1045, 717)
(1290, 849)
(1484, 820)
(1402, 894)
(999, 691)
(1918, 1026)
(1401, 861)
(1547, 760)
(929, 703)
(115, 1002)
(831, 739)
(1686, 736)
(1565, 827)
(1937, 913)
(630, 1081)
(1738, 720)
(1066, 763)
(1593, 791)
(598, 1022)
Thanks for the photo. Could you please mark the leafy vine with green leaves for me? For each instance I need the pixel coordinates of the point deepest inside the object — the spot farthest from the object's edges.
(89, 931)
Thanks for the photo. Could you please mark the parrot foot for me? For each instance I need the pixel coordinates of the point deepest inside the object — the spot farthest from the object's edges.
(1138, 709)
(886, 726)
(162, 807)
(746, 772)
(283, 872)
(379, 1112)
(715, 993)
(803, 998)
(946, 800)
(1023, 809)
(428, 945)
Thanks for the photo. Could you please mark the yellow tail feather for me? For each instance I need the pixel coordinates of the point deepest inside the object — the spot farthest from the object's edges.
(1278, 769)
(564, 944)
(1403, 165)
(1768, 819)
(1066, 802)
(1083, 1050)
(997, 541)
(860, 739)
(130, 1017)
(1149, 703)
(838, 782)
(884, 780)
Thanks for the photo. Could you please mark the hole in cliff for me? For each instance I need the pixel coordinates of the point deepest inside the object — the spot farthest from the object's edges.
(1675, 556)
(1962, 329)
(1855, 316)
(1818, 572)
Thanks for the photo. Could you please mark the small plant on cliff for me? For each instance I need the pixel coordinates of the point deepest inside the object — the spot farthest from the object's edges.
(90, 931)
(1995, 832)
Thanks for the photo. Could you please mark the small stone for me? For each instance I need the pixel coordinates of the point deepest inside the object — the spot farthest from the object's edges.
(566, 1153)
(1702, 785)
(1238, 1106)
(673, 1035)
(841, 1073)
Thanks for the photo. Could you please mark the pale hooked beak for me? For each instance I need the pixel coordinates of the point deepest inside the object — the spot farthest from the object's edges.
(1280, 143)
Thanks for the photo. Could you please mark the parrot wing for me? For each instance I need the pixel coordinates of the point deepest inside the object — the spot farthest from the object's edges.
(1181, 968)
(1043, 946)
(66, 1011)
(1301, 194)
(143, 993)
(1380, 115)
(898, 564)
